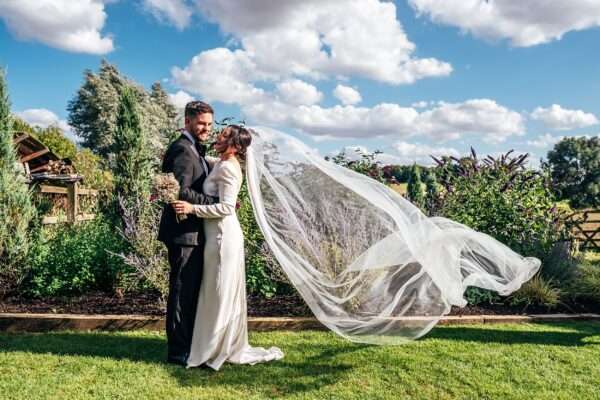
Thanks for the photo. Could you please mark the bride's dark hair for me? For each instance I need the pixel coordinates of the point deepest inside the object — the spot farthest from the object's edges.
(238, 137)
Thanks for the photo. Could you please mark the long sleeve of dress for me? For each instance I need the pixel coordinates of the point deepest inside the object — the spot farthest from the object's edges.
(211, 160)
(229, 186)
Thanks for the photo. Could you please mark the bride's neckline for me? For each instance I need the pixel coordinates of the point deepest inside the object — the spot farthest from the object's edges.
(230, 159)
(233, 160)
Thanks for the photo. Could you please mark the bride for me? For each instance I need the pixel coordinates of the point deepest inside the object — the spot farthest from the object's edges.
(220, 327)
(369, 264)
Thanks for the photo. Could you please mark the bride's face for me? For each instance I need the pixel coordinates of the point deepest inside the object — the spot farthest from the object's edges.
(221, 146)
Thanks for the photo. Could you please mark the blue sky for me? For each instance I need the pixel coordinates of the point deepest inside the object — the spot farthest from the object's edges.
(410, 78)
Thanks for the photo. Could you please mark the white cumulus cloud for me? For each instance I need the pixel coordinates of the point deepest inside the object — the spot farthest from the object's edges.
(422, 152)
(318, 39)
(297, 92)
(221, 75)
(43, 118)
(544, 141)
(347, 95)
(180, 99)
(175, 12)
(401, 153)
(558, 118)
(522, 23)
(482, 118)
(74, 26)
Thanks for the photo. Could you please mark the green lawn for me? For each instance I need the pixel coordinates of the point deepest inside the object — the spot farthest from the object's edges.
(529, 361)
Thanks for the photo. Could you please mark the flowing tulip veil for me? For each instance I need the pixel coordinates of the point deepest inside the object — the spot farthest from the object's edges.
(369, 264)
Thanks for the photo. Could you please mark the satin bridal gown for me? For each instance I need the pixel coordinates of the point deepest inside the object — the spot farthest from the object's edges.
(221, 323)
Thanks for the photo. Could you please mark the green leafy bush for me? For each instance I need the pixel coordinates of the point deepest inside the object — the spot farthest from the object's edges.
(72, 259)
(504, 199)
(537, 292)
(476, 296)
(560, 264)
(585, 286)
(146, 256)
(515, 205)
(258, 277)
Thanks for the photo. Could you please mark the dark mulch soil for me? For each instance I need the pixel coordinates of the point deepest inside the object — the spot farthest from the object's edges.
(142, 303)
(91, 303)
(279, 306)
(503, 309)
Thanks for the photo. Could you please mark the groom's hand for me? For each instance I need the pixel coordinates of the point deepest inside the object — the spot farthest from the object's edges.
(182, 207)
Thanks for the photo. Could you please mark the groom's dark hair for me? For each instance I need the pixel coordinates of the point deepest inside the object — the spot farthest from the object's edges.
(194, 108)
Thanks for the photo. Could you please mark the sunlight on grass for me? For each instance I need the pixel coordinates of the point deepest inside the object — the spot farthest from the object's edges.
(592, 257)
(400, 188)
(492, 361)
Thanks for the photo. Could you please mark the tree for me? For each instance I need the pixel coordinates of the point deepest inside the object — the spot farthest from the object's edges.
(93, 111)
(432, 191)
(363, 163)
(16, 208)
(401, 172)
(132, 159)
(574, 165)
(133, 170)
(54, 138)
(165, 111)
(18, 125)
(415, 187)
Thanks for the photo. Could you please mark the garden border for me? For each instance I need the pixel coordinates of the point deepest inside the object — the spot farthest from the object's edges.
(24, 322)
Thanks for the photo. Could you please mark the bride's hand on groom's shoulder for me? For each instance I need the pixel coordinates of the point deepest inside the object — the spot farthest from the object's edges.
(182, 207)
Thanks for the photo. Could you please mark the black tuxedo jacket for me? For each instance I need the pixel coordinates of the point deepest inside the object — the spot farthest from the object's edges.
(185, 162)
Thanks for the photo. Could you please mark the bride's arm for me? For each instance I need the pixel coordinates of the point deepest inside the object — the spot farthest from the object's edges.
(228, 190)
(211, 160)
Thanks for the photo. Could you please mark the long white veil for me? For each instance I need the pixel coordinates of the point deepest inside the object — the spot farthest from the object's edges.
(369, 264)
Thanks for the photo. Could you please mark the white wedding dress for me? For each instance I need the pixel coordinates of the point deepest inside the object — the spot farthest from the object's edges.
(221, 324)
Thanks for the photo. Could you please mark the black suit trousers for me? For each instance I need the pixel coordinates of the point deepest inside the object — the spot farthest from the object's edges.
(184, 285)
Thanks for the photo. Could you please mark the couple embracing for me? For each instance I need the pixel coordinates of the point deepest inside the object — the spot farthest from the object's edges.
(206, 308)
(371, 266)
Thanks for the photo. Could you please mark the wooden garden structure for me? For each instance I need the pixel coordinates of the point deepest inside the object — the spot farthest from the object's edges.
(586, 228)
(54, 178)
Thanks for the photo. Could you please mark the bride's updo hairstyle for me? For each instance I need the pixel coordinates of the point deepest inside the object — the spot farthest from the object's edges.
(238, 137)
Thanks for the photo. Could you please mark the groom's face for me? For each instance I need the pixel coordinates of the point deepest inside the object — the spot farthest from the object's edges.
(200, 126)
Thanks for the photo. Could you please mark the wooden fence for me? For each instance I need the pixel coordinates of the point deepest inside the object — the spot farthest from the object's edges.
(586, 228)
(73, 192)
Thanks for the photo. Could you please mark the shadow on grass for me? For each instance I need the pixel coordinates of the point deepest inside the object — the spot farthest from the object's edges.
(576, 335)
(284, 377)
(306, 368)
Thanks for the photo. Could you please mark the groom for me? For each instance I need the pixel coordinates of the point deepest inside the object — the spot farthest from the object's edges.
(185, 239)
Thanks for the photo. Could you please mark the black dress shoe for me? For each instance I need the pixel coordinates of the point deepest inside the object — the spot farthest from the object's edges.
(179, 360)
(203, 366)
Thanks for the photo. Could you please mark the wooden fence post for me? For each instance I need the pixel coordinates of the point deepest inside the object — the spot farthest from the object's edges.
(73, 200)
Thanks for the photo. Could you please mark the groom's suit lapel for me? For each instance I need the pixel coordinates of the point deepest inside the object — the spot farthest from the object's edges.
(191, 145)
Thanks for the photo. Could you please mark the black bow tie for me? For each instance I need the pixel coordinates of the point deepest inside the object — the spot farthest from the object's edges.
(200, 148)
